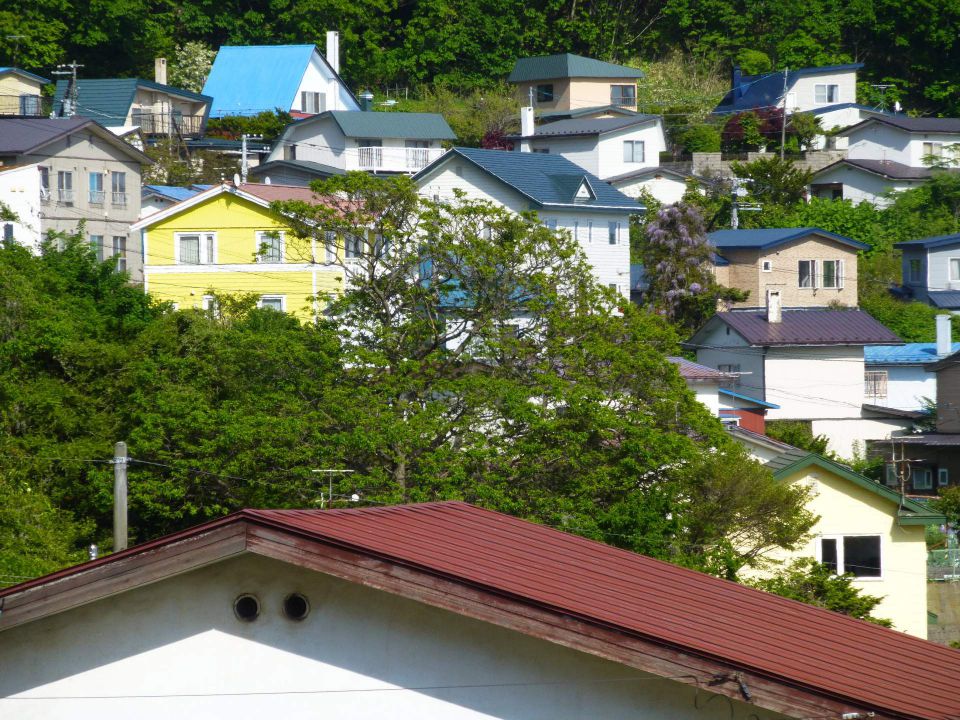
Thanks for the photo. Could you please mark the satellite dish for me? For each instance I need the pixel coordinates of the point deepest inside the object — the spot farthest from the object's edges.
(266, 180)
(236, 179)
(741, 192)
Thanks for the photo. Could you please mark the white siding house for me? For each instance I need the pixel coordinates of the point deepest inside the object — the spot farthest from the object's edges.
(807, 89)
(20, 194)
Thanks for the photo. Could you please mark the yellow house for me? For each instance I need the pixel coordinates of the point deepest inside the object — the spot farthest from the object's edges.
(21, 93)
(226, 240)
(864, 528)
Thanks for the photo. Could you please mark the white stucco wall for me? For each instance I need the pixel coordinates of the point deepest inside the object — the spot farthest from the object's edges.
(665, 188)
(814, 382)
(875, 141)
(861, 186)
(359, 654)
(318, 78)
(848, 436)
(907, 385)
(727, 348)
(804, 89)
(843, 117)
(611, 149)
(581, 150)
(708, 394)
(20, 192)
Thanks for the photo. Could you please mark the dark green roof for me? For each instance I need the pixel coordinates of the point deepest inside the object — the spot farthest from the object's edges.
(108, 100)
(408, 126)
(550, 67)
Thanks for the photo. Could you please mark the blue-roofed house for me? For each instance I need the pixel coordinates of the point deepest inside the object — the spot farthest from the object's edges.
(565, 82)
(809, 267)
(250, 79)
(564, 195)
(807, 90)
(21, 93)
(154, 198)
(931, 270)
(338, 141)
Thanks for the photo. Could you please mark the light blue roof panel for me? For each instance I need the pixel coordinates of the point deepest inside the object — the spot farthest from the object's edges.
(170, 191)
(909, 354)
(747, 398)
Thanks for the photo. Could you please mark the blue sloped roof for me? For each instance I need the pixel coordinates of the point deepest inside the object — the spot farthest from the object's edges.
(770, 237)
(909, 354)
(250, 79)
(18, 71)
(567, 65)
(759, 91)
(933, 241)
(747, 398)
(108, 100)
(946, 299)
(170, 191)
(547, 180)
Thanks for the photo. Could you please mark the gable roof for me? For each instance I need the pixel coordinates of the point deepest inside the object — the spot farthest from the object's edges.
(547, 180)
(695, 371)
(249, 79)
(590, 126)
(907, 354)
(566, 589)
(771, 237)
(24, 74)
(883, 168)
(909, 124)
(801, 327)
(108, 100)
(25, 136)
(404, 125)
(566, 65)
(934, 241)
(766, 90)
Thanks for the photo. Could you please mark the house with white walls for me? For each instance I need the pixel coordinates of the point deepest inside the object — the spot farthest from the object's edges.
(807, 361)
(705, 382)
(930, 270)
(249, 79)
(437, 611)
(863, 528)
(339, 141)
(888, 153)
(20, 196)
(563, 194)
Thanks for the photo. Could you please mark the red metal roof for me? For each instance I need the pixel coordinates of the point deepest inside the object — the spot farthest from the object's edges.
(801, 645)
(810, 327)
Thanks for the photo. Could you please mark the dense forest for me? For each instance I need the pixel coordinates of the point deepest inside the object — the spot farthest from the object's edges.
(909, 46)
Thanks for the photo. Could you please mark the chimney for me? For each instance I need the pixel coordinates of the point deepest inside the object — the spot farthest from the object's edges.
(527, 128)
(366, 101)
(333, 50)
(944, 332)
(160, 70)
(736, 78)
(774, 307)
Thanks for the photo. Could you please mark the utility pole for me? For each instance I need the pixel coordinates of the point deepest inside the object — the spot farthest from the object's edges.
(120, 497)
(329, 474)
(737, 191)
(72, 90)
(244, 167)
(531, 96)
(783, 118)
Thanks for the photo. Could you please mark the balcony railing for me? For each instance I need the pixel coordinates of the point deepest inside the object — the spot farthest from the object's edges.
(152, 123)
(64, 196)
(371, 158)
(118, 199)
(391, 159)
(25, 105)
(97, 197)
(417, 158)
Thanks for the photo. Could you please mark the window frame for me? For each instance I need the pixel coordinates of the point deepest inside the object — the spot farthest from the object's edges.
(766, 266)
(354, 245)
(918, 277)
(811, 275)
(96, 244)
(620, 99)
(266, 237)
(828, 96)
(281, 298)
(880, 377)
(97, 195)
(841, 552)
(613, 232)
(632, 145)
(837, 274)
(542, 94)
(119, 245)
(926, 483)
(64, 186)
(950, 275)
(208, 242)
(118, 188)
(943, 477)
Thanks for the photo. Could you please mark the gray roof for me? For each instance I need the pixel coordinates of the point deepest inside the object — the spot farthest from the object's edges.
(318, 170)
(554, 115)
(765, 238)
(934, 241)
(408, 126)
(802, 327)
(547, 180)
(946, 299)
(911, 124)
(884, 168)
(551, 67)
(589, 126)
(695, 371)
(23, 136)
(108, 100)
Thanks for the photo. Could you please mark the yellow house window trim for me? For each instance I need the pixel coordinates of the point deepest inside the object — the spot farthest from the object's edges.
(265, 250)
(204, 253)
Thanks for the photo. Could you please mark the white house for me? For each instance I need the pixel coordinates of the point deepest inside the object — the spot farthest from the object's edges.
(437, 611)
(705, 382)
(380, 142)
(930, 269)
(563, 194)
(250, 79)
(20, 195)
(809, 362)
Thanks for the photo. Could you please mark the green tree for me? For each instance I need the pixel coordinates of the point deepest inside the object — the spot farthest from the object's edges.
(798, 434)
(191, 65)
(773, 181)
(948, 503)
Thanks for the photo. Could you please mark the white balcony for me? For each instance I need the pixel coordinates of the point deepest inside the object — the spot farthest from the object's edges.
(391, 159)
(118, 199)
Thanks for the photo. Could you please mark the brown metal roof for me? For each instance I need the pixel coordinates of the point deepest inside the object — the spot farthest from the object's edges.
(800, 645)
(273, 192)
(695, 371)
(809, 327)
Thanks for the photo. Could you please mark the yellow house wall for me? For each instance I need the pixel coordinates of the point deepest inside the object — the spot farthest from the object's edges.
(574, 93)
(235, 222)
(846, 509)
(16, 85)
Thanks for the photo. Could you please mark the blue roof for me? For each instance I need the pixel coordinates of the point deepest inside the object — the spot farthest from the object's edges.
(909, 354)
(30, 75)
(844, 106)
(771, 237)
(759, 91)
(547, 180)
(250, 79)
(946, 299)
(934, 241)
(755, 401)
(174, 193)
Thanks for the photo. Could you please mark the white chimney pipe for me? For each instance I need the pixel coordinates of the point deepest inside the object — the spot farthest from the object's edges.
(527, 128)
(944, 332)
(160, 70)
(333, 50)
(774, 306)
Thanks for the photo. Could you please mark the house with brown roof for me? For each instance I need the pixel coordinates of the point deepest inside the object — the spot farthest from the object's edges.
(807, 361)
(438, 610)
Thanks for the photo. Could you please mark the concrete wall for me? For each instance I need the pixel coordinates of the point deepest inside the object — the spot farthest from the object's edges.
(943, 599)
(814, 382)
(20, 192)
(713, 164)
(907, 385)
(360, 653)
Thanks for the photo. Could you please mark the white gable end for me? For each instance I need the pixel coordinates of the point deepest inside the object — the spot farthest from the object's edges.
(325, 92)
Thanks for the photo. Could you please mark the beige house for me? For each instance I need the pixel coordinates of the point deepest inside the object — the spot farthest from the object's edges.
(21, 93)
(863, 528)
(573, 82)
(809, 267)
(85, 174)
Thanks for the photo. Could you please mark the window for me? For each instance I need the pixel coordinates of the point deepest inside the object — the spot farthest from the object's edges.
(210, 304)
(858, 555)
(766, 266)
(954, 269)
(914, 267)
(271, 302)
(120, 252)
(8, 232)
(826, 93)
(932, 149)
(576, 229)
(832, 274)
(623, 95)
(353, 247)
(195, 248)
(943, 477)
(731, 368)
(613, 233)
(289, 152)
(633, 151)
(544, 93)
(922, 479)
(614, 287)
(875, 383)
(890, 475)
(44, 183)
(541, 150)
(65, 187)
(269, 247)
(807, 270)
(96, 244)
(118, 182)
(590, 231)
(330, 241)
(96, 188)
(313, 102)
